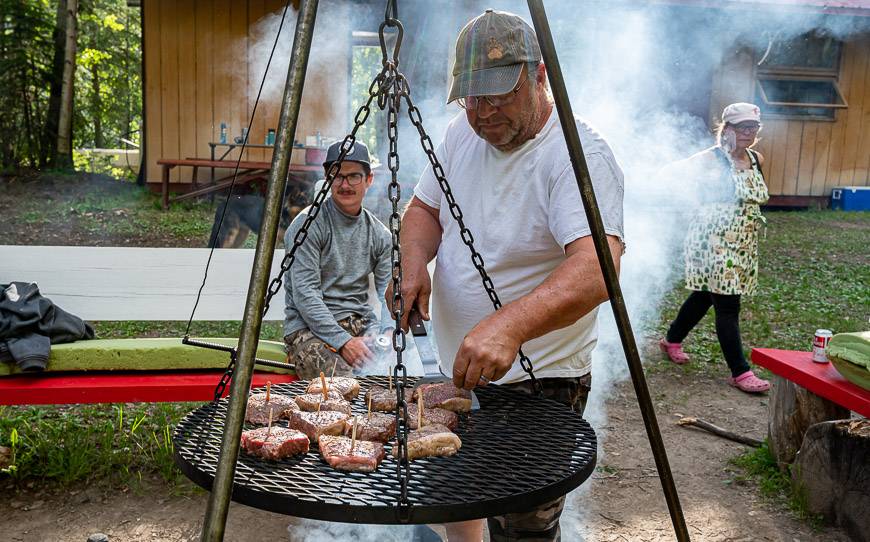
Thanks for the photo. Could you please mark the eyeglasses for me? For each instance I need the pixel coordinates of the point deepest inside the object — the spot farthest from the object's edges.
(747, 127)
(352, 179)
(473, 102)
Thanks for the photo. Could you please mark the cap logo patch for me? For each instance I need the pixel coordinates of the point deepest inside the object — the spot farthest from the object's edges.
(494, 49)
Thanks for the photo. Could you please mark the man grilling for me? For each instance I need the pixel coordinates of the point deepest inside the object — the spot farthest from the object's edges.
(327, 321)
(507, 163)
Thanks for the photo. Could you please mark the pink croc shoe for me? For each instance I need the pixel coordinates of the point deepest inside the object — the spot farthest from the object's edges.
(674, 351)
(749, 383)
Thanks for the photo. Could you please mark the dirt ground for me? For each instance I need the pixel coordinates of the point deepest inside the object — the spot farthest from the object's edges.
(622, 502)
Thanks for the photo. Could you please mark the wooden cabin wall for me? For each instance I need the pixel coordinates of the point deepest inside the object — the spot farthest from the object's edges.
(808, 158)
(200, 58)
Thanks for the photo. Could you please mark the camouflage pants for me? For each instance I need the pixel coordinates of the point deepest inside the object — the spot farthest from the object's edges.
(542, 523)
(311, 355)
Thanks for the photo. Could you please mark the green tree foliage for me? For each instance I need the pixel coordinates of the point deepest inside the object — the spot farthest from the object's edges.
(366, 65)
(26, 50)
(108, 79)
(108, 91)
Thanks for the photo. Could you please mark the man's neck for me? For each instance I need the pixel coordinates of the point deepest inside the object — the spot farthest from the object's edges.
(346, 211)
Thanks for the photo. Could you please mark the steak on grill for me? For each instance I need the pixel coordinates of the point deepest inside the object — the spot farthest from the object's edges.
(315, 424)
(439, 416)
(277, 444)
(366, 455)
(258, 408)
(431, 441)
(309, 402)
(379, 428)
(445, 395)
(384, 399)
(346, 386)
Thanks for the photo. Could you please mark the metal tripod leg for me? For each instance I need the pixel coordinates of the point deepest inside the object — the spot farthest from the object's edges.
(611, 279)
(222, 488)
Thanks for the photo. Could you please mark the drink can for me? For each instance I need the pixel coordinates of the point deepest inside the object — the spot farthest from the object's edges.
(382, 344)
(820, 342)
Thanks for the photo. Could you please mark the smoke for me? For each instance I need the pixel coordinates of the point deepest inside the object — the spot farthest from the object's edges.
(640, 72)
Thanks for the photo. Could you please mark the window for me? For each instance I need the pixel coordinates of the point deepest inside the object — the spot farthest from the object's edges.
(797, 78)
(366, 55)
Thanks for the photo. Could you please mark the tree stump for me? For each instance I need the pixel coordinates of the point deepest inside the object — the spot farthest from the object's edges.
(792, 410)
(833, 471)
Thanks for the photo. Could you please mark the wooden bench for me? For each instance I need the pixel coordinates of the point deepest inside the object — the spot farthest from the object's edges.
(152, 284)
(248, 171)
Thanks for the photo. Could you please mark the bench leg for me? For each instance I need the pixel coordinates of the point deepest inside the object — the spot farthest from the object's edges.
(165, 180)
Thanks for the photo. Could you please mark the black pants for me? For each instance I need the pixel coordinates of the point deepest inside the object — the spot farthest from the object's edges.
(727, 309)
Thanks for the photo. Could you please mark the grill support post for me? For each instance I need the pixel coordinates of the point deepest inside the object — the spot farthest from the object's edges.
(214, 524)
(611, 279)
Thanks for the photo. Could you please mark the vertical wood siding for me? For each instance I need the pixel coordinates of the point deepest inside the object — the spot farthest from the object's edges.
(203, 64)
(809, 158)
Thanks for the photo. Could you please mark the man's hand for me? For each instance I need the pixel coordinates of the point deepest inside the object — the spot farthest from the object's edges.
(416, 288)
(488, 351)
(421, 235)
(355, 352)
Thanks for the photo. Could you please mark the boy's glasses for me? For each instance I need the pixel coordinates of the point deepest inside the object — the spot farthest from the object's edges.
(352, 179)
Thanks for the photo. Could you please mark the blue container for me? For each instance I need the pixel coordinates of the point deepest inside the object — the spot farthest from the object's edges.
(851, 198)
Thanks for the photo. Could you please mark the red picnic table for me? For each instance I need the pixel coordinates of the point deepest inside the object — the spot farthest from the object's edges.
(119, 386)
(821, 379)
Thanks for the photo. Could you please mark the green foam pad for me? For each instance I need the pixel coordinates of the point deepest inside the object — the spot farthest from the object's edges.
(147, 355)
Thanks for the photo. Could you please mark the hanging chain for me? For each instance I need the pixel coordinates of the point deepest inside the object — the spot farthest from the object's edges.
(225, 378)
(464, 232)
(391, 99)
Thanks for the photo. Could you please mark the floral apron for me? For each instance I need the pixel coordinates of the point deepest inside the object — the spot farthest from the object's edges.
(721, 248)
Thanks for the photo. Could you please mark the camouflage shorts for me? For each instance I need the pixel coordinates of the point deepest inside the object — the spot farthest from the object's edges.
(542, 523)
(311, 355)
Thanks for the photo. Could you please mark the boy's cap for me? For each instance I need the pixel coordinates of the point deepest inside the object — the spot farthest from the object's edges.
(358, 153)
(490, 52)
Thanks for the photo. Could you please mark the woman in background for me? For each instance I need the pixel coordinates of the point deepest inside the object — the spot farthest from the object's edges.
(722, 245)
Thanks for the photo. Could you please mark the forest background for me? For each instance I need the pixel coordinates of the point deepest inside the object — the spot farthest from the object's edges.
(70, 78)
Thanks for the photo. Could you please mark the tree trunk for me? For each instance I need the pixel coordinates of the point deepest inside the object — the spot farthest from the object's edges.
(50, 131)
(791, 411)
(832, 471)
(97, 105)
(63, 152)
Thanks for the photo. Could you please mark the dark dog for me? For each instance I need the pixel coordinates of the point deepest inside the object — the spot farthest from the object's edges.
(244, 214)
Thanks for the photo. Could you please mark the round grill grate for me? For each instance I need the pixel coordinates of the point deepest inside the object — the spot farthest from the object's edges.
(517, 452)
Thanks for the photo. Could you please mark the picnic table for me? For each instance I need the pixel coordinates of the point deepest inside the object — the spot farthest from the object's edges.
(247, 171)
(813, 434)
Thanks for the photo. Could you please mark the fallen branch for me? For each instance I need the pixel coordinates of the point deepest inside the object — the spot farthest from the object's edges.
(716, 430)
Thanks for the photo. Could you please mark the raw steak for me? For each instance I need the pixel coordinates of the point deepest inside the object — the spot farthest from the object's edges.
(366, 455)
(277, 444)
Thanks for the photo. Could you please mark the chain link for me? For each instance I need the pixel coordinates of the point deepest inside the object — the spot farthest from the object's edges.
(464, 232)
(225, 378)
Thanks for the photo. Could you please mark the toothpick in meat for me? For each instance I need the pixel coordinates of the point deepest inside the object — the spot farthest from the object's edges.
(420, 412)
(268, 390)
(323, 387)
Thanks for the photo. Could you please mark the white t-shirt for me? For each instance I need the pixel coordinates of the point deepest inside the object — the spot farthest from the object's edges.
(522, 207)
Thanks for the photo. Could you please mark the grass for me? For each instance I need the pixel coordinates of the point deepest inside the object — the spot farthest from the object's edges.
(813, 273)
(760, 466)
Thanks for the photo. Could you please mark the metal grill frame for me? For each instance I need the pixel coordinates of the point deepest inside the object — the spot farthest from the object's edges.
(518, 452)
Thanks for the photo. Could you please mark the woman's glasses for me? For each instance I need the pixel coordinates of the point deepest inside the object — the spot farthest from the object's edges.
(473, 102)
(747, 127)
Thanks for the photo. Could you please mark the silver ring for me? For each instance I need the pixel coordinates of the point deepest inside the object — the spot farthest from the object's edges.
(485, 379)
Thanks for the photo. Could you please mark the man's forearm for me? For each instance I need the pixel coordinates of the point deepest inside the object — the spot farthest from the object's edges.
(570, 292)
(421, 233)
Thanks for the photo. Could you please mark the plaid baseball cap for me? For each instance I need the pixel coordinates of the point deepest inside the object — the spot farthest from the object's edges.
(490, 52)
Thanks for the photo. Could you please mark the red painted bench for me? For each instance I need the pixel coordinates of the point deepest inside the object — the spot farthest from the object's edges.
(119, 387)
(821, 379)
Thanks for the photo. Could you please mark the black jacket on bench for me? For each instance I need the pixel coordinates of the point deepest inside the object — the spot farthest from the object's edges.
(30, 323)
